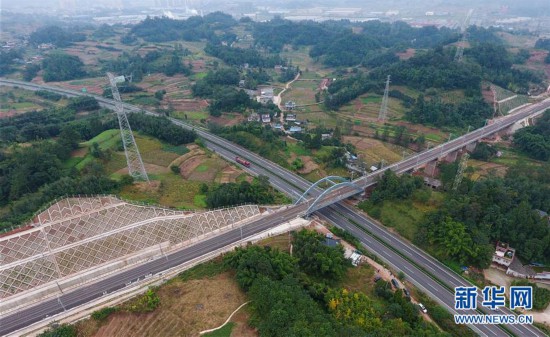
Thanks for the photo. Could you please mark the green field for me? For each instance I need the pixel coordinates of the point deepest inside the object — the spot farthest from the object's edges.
(106, 140)
(191, 115)
(403, 216)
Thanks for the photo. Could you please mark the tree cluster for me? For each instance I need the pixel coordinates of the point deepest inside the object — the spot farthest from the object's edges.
(8, 60)
(254, 137)
(62, 67)
(55, 35)
(166, 61)
(52, 96)
(468, 223)
(83, 103)
(535, 140)
(195, 28)
(496, 64)
(290, 295)
(230, 194)
(394, 187)
(472, 111)
(342, 43)
(161, 128)
(238, 56)
(344, 90)
(48, 123)
(32, 176)
(317, 259)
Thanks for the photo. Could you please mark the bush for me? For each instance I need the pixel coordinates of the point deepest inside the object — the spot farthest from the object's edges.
(148, 302)
(102, 314)
(175, 169)
(63, 330)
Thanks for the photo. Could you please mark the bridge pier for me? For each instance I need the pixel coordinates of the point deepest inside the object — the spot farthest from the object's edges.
(471, 147)
(451, 156)
(430, 168)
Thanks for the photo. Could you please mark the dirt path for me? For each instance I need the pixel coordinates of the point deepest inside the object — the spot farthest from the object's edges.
(278, 101)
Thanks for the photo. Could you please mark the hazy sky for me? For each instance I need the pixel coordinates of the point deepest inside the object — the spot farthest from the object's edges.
(389, 4)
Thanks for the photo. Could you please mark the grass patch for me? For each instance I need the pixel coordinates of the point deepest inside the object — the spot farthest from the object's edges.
(200, 200)
(225, 331)
(72, 162)
(84, 162)
(106, 140)
(117, 162)
(151, 150)
(201, 75)
(179, 149)
(297, 149)
(204, 270)
(172, 192)
(202, 168)
(144, 100)
(371, 99)
(404, 216)
(191, 115)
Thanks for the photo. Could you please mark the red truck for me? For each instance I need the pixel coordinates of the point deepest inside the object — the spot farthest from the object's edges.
(242, 161)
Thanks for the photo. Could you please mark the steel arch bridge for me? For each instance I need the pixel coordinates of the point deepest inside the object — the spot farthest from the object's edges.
(336, 182)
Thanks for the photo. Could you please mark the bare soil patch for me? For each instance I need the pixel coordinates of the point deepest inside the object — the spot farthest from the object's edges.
(374, 150)
(309, 165)
(189, 165)
(227, 119)
(186, 308)
(407, 54)
(229, 174)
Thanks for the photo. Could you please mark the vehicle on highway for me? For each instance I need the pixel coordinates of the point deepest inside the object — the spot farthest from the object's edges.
(407, 293)
(422, 308)
(395, 283)
(242, 161)
(376, 278)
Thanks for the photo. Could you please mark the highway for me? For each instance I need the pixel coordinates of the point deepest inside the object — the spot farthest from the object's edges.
(421, 269)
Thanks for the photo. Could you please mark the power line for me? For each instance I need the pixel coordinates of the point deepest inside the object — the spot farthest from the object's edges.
(460, 173)
(461, 44)
(384, 107)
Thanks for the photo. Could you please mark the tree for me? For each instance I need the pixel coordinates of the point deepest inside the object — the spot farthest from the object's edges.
(318, 259)
(283, 308)
(62, 67)
(256, 262)
(175, 169)
(30, 72)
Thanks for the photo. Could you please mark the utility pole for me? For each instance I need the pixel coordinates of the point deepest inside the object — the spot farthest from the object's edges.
(133, 158)
(384, 107)
(460, 173)
(460, 47)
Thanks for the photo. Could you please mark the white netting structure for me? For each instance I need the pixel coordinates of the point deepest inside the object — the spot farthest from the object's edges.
(506, 100)
(77, 234)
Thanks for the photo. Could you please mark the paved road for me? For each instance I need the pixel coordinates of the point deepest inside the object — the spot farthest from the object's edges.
(422, 273)
(87, 293)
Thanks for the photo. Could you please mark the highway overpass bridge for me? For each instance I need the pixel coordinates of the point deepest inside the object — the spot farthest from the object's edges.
(421, 269)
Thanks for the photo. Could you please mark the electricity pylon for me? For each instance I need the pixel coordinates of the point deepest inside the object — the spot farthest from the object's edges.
(133, 158)
(460, 47)
(460, 173)
(384, 107)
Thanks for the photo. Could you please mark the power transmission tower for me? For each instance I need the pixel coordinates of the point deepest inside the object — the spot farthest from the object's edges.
(460, 47)
(460, 173)
(384, 107)
(133, 158)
